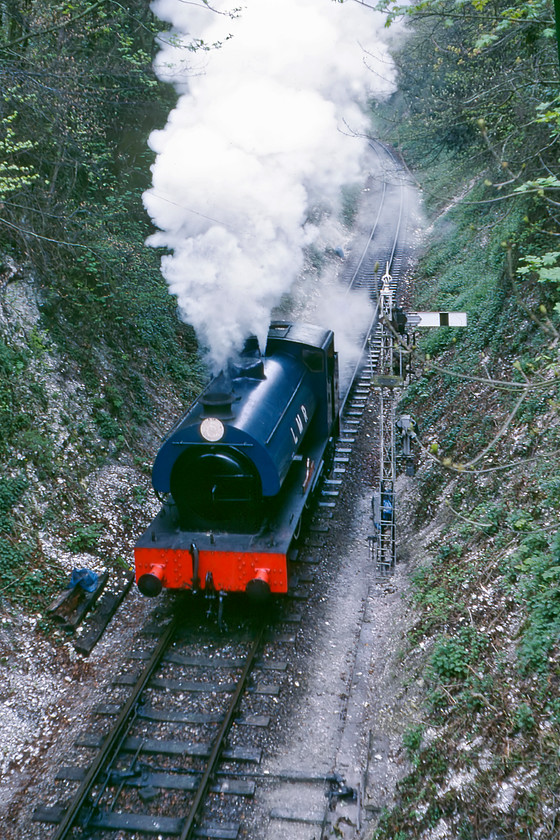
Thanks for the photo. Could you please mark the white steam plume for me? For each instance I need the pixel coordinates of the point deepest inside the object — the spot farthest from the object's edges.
(266, 131)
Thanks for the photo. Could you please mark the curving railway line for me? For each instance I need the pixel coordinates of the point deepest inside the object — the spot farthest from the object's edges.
(176, 749)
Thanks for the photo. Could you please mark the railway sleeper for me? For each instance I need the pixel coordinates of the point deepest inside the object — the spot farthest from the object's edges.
(152, 746)
(212, 661)
(194, 687)
(142, 823)
(144, 777)
(146, 712)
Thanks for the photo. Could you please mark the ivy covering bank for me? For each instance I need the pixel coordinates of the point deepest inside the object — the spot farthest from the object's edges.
(95, 340)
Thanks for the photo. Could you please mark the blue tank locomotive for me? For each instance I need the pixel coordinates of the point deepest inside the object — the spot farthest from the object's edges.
(239, 467)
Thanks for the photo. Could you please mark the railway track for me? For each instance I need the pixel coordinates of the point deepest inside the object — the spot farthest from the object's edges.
(176, 750)
(381, 249)
(182, 741)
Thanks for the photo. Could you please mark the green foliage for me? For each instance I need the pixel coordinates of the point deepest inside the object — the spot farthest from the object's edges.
(140, 494)
(549, 114)
(411, 814)
(25, 575)
(78, 216)
(545, 267)
(78, 99)
(412, 742)
(84, 537)
(488, 165)
(453, 120)
(435, 588)
(524, 718)
(11, 492)
(108, 426)
(38, 449)
(22, 575)
(14, 557)
(453, 658)
(536, 574)
(13, 176)
(13, 415)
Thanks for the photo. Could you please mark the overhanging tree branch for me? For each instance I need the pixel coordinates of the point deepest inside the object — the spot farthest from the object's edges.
(47, 30)
(496, 383)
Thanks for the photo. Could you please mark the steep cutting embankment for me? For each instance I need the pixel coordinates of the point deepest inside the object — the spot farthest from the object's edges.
(479, 521)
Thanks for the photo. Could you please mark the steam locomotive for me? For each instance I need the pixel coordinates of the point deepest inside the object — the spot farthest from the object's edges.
(240, 466)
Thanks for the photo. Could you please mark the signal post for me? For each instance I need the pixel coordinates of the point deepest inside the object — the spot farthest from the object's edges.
(393, 371)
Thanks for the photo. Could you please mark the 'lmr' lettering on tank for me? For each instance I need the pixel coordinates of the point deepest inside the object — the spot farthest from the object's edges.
(302, 418)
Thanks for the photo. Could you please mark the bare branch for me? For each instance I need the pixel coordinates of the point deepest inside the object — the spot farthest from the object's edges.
(53, 28)
(496, 383)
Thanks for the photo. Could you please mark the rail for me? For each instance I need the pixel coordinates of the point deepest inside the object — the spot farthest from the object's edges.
(121, 726)
(83, 811)
(190, 821)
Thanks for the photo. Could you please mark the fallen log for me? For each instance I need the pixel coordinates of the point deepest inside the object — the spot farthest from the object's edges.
(106, 608)
(70, 607)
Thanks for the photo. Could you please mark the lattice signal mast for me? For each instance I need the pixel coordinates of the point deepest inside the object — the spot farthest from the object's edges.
(384, 539)
(393, 322)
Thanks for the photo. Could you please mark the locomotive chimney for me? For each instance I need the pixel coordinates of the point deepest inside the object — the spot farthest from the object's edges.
(218, 404)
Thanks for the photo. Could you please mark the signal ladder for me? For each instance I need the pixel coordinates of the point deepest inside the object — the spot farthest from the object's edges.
(383, 541)
(377, 372)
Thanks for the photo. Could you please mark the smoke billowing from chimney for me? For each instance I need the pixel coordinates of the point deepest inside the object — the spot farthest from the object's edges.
(267, 129)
